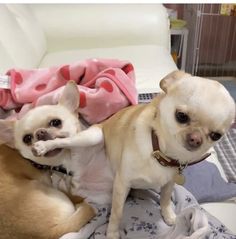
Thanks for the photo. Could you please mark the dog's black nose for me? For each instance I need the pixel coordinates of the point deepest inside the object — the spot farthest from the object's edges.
(194, 140)
(42, 134)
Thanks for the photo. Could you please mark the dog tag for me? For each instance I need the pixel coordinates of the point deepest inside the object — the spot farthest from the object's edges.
(179, 178)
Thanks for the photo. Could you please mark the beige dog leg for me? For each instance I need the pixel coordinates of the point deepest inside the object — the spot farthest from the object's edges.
(165, 203)
(120, 192)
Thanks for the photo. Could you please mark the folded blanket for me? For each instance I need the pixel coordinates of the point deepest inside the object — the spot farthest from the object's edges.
(215, 189)
(105, 86)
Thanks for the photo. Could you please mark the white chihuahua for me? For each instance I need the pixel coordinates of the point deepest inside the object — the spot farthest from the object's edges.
(92, 175)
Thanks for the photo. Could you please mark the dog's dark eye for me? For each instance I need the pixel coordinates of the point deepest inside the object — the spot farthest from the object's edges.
(55, 123)
(215, 136)
(182, 117)
(27, 139)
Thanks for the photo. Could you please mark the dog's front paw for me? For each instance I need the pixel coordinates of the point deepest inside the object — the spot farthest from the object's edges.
(169, 216)
(113, 235)
(39, 148)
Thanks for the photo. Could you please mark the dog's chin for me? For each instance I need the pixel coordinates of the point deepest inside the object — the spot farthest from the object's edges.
(54, 158)
(191, 149)
(53, 153)
(190, 154)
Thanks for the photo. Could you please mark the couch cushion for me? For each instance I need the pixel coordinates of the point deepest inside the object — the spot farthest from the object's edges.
(151, 63)
(6, 61)
(23, 41)
(73, 26)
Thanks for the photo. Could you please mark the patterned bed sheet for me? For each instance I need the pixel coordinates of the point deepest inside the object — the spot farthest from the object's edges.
(142, 220)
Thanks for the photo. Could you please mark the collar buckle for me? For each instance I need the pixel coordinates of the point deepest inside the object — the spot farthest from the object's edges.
(163, 159)
(158, 155)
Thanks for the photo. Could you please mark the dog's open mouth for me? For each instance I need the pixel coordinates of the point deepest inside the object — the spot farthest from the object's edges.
(53, 152)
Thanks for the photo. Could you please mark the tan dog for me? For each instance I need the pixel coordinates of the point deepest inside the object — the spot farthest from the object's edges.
(30, 208)
(188, 118)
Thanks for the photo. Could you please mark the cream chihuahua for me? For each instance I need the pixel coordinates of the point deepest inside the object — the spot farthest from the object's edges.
(30, 208)
(92, 175)
(149, 145)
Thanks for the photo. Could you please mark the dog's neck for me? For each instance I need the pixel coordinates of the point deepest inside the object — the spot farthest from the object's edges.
(59, 168)
(167, 161)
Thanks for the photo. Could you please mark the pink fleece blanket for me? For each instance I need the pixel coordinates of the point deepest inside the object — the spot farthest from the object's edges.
(105, 87)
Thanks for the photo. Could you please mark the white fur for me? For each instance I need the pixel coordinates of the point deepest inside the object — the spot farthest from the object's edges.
(93, 177)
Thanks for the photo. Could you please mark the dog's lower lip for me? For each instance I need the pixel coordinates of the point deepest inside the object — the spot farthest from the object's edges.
(53, 152)
(191, 149)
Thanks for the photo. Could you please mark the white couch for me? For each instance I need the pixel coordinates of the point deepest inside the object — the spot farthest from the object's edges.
(45, 35)
(34, 36)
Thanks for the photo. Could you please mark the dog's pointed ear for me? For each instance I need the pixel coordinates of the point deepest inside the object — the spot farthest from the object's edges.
(7, 132)
(171, 78)
(70, 97)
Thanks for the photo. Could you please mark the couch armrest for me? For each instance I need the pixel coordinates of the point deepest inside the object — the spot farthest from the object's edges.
(22, 41)
(71, 26)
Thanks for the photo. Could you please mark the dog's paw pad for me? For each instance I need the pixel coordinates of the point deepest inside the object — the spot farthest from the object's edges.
(39, 149)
